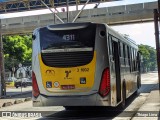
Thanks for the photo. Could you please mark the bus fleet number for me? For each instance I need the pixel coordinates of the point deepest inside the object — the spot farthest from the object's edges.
(83, 70)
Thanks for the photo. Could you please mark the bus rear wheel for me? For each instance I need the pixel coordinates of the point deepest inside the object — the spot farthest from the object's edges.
(123, 104)
(71, 107)
(138, 86)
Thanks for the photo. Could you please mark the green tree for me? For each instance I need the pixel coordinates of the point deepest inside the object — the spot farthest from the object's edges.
(17, 49)
(149, 57)
(152, 58)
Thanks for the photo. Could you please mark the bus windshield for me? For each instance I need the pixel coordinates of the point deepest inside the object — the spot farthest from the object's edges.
(63, 39)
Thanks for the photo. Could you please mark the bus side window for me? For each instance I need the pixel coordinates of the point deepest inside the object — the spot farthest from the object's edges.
(113, 50)
(137, 60)
(128, 55)
(133, 58)
(110, 45)
(121, 52)
(130, 52)
(119, 49)
(124, 53)
(135, 54)
(112, 41)
(121, 46)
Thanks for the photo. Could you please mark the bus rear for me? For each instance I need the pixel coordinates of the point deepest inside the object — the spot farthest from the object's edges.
(66, 71)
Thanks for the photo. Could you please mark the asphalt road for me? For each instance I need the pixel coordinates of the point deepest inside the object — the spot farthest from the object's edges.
(13, 92)
(149, 82)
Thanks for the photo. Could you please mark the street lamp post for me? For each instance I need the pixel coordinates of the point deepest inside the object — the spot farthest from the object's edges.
(156, 24)
(20, 75)
(13, 70)
(2, 70)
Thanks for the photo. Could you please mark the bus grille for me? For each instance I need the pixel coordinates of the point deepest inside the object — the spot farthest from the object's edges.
(67, 59)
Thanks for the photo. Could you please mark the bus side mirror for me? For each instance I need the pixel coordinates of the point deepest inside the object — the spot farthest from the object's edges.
(33, 37)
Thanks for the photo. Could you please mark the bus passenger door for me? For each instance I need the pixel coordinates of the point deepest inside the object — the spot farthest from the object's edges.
(116, 59)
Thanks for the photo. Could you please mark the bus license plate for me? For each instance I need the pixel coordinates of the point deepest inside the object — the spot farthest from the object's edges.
(67, 87)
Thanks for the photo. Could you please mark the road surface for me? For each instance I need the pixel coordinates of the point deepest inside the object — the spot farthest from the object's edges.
(149, 83)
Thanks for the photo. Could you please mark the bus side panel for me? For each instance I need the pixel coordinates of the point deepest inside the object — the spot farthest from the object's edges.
(36, 68)
(101, 63)
(131, 78)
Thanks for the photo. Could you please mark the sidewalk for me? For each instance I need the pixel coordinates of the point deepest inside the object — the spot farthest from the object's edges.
(150, 109)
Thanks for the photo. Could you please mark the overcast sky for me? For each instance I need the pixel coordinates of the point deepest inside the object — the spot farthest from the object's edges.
(142, 33)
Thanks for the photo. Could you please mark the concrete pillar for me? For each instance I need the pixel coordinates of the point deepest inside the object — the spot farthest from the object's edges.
(2, 70)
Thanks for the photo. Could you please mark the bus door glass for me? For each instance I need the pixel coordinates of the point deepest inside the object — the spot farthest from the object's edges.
(116, 59)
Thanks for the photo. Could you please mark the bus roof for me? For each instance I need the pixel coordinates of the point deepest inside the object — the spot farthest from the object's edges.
(122, 37)
(69, 26)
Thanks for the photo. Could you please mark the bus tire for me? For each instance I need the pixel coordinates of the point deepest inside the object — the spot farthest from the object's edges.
(123, 104)
(136, 93)
(138, 82)
(138, 86)
(71, 107)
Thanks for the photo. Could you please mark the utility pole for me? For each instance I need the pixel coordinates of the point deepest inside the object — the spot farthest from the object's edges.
(2, 70)
(77, 5)
(67, 3)
(156, 25)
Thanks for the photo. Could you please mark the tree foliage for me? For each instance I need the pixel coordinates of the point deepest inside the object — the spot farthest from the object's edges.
(149, 57)
(17, 49)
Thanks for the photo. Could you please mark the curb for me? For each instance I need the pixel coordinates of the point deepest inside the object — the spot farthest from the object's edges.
(28, 99)
(7, 104)
(18, 101)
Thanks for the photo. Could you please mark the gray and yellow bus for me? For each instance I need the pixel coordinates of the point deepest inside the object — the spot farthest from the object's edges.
(83, 64)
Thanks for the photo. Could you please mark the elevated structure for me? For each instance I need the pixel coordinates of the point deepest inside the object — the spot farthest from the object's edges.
(25, 5)
(133, 13)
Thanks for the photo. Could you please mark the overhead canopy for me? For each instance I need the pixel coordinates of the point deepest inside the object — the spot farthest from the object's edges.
(24, 5)
(74, 2)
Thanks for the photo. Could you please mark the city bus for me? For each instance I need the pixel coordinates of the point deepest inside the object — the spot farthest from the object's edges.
(83, 64)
